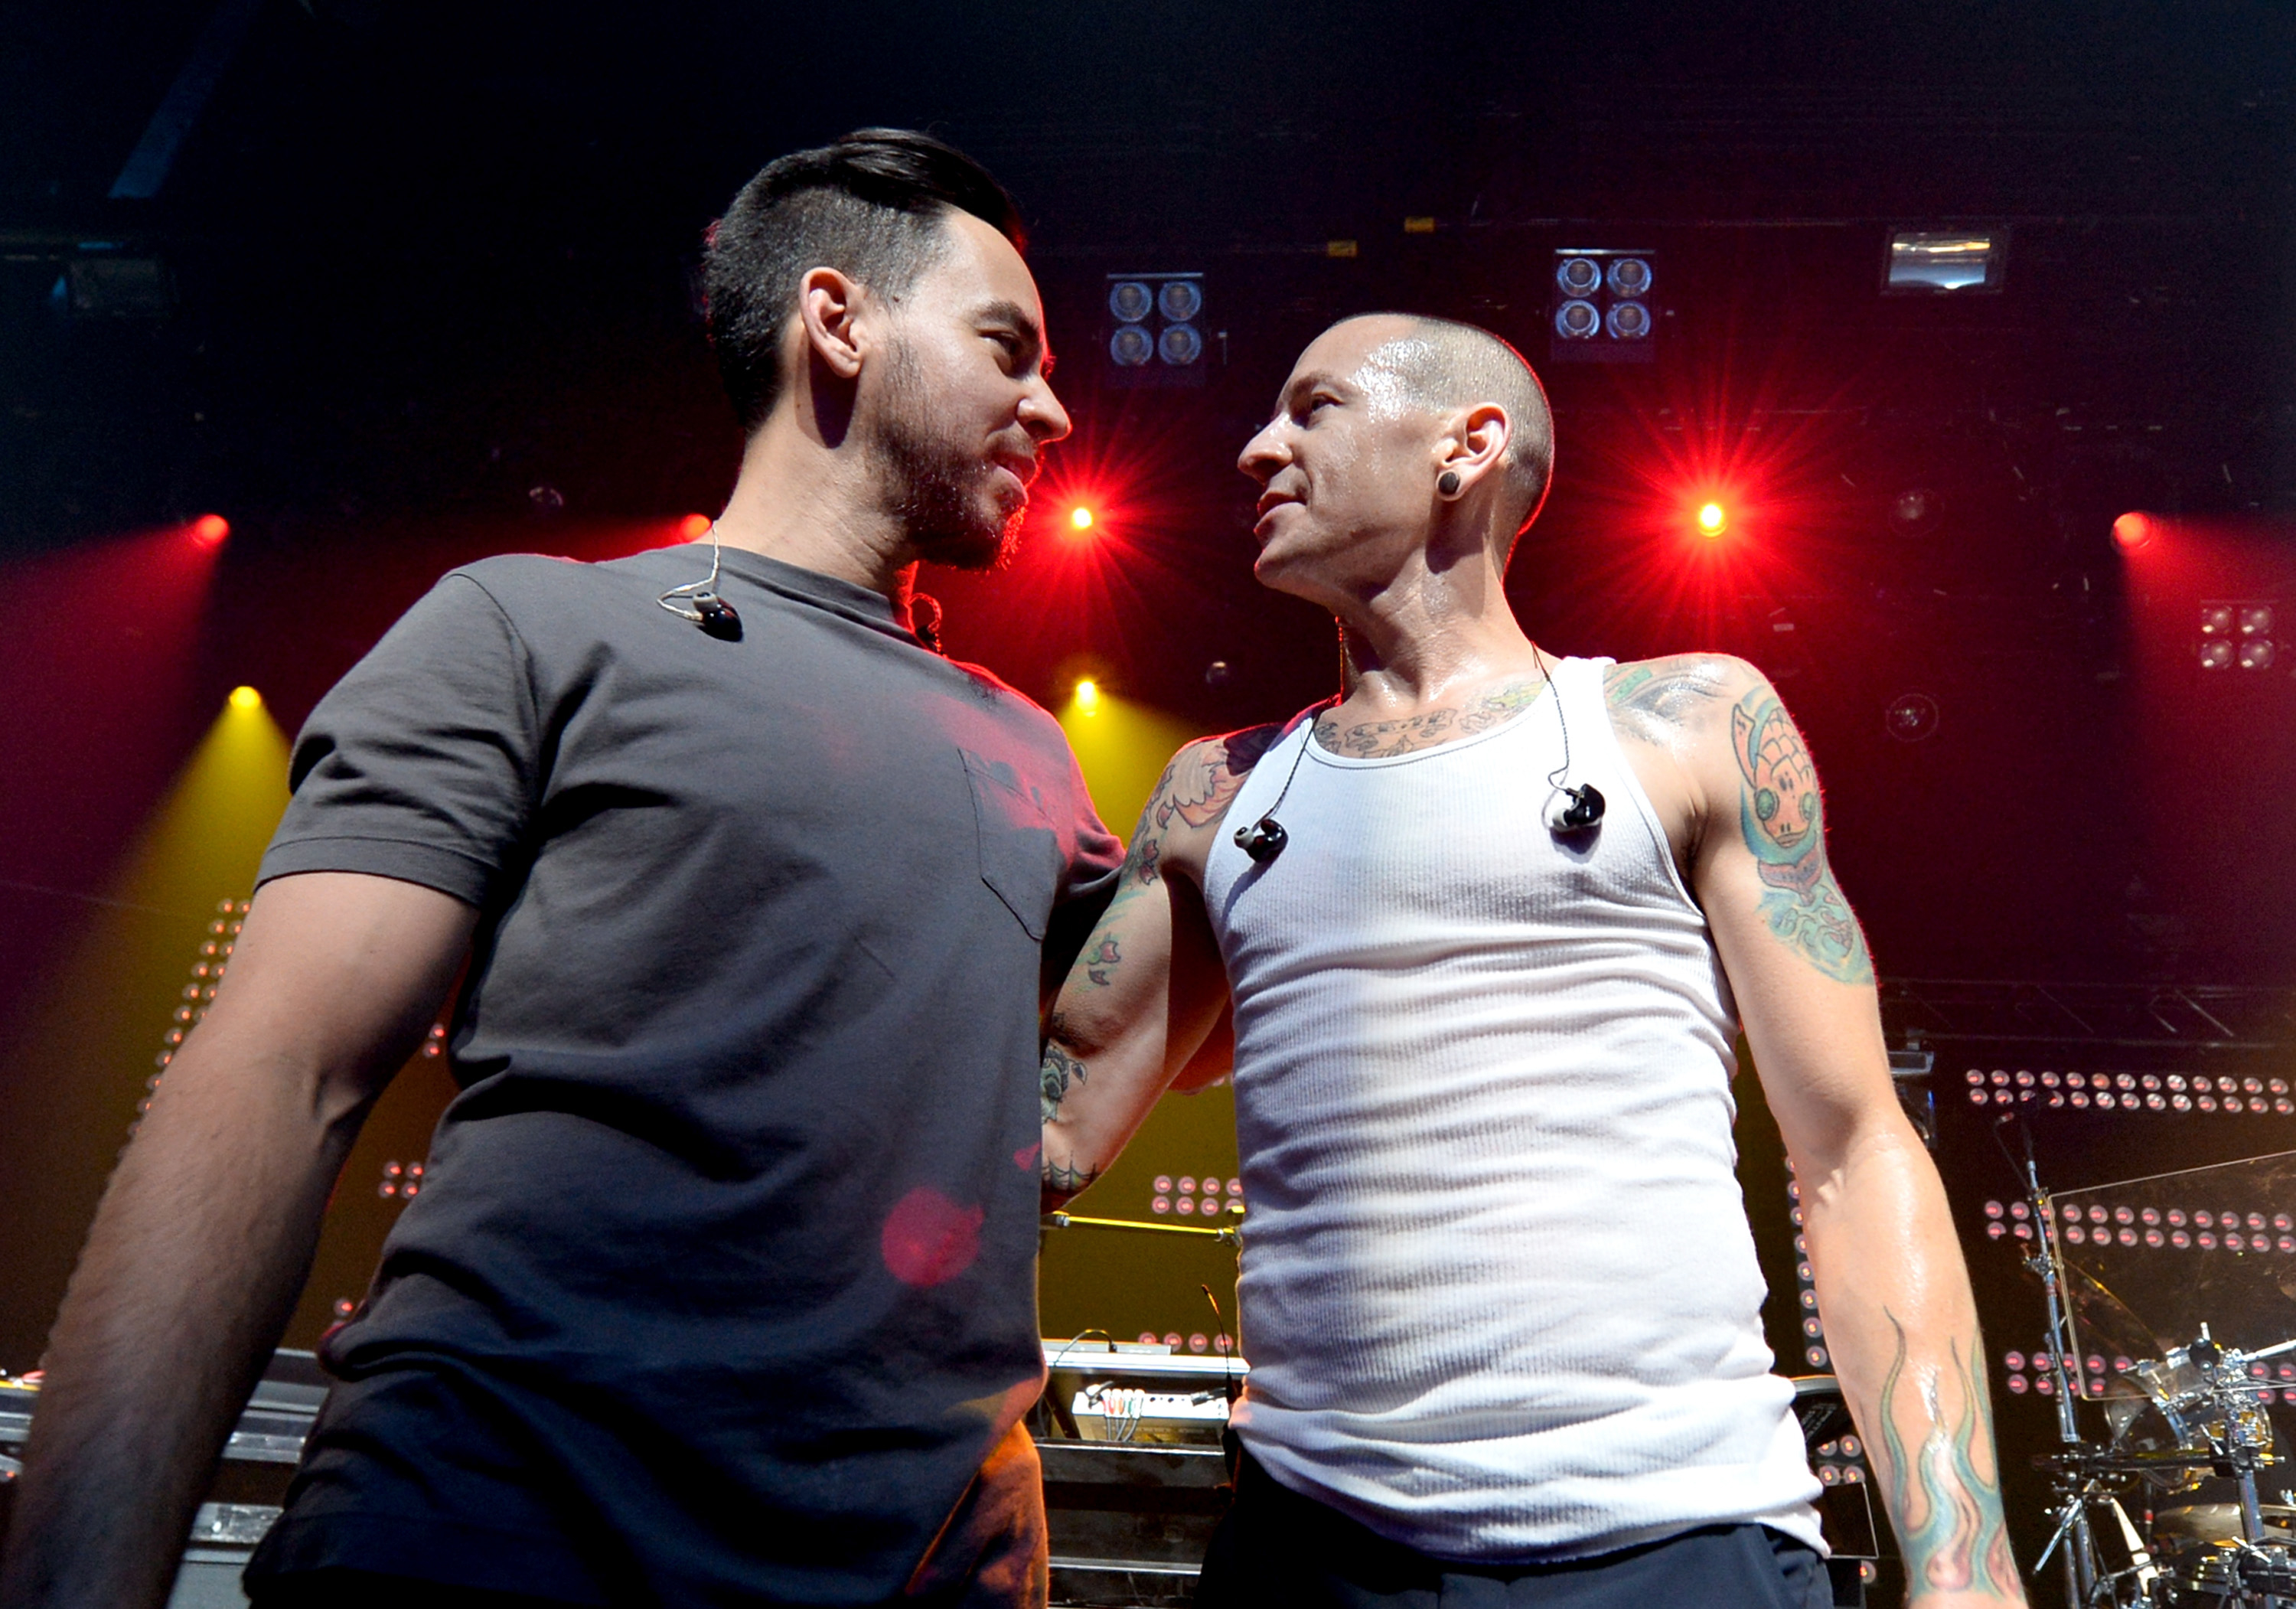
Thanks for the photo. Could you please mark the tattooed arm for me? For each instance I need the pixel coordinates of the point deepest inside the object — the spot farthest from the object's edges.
(1891, 1286)
(1148, 989)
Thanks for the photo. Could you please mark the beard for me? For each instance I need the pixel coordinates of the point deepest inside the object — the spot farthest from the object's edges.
(942, 493)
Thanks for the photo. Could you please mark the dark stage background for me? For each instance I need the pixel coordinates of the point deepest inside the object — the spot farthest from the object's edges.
(414, 283)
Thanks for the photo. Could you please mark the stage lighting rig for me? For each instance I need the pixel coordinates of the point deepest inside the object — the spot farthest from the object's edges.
(1930, 262)
(2236, 634)
(1156, 337)
(1600, 306)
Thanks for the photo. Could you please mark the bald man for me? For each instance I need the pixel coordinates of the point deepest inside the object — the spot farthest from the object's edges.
(1489, 923)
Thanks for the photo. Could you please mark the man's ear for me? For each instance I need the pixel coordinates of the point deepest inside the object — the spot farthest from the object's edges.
(1475, 444)
(828, 305)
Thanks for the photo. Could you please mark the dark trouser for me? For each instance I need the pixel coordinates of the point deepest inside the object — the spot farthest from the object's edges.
(1279, 1550)
(991, 1554)
(365, 1589)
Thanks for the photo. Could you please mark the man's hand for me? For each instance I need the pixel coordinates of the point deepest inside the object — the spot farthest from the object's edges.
(207, 1229)
(1148, 989)
(1734, 781)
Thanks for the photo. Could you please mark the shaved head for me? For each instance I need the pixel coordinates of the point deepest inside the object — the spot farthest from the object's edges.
(1443, 366)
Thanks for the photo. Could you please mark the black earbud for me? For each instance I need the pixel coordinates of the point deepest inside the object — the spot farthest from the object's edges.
(1263, 840)
(698, 601)
(717, 616)
(1585, 809)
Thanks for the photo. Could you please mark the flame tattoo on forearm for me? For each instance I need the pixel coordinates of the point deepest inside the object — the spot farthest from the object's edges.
(1782, 815)
(1947, 1516)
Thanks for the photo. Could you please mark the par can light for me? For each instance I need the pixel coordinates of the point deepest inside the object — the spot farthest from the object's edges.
(1179, 345)
(1578, 321)
(1130, 347)
(1180, 299)
(1130, 301)
(1627, 321)
(1577, 275)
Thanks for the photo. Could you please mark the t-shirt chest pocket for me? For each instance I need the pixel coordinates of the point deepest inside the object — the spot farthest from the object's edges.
(1019, 856)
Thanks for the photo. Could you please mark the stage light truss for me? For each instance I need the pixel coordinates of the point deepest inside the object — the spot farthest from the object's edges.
(2176, 1018)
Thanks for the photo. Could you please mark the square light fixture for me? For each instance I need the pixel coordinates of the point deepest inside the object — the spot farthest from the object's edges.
(1929, 262)
(2236, 633)
(1156, 332)
(1600, 306)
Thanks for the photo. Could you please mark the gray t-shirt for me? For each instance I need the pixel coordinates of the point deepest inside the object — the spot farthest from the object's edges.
(722, 1281)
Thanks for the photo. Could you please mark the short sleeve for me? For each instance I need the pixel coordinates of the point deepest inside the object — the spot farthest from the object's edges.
(420, 764)
(1095, 854)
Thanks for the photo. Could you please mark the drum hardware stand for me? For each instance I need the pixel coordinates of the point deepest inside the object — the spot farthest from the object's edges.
(2081, 1557)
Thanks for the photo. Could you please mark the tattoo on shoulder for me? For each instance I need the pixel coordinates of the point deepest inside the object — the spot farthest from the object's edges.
(1781, 815)
(1384, 739)
(1948, 1515)
(1196, 789)
(1658, 700)
(1205, 777)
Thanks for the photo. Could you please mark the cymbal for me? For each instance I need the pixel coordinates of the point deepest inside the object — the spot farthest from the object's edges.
(2220, 1523)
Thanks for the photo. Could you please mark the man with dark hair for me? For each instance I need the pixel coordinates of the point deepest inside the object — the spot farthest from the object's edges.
(1489, 926)
(721, 1285)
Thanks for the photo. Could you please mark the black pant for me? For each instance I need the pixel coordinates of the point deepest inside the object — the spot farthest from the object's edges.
(362, 1589)
(1279, 1550)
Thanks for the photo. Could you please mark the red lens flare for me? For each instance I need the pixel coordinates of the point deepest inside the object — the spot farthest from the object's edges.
(2132, 530)
(210, 528)
(1080, 519)
(1713, 519)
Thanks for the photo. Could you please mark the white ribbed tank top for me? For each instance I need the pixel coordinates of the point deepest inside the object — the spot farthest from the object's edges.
(1498, 1290)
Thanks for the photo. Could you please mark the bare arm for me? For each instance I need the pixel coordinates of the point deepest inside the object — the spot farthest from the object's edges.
(1148, 989)
(207, 1227)
(1891, 1285)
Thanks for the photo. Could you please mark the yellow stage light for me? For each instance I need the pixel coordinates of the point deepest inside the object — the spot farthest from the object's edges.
(246, 698)
(1087, 695)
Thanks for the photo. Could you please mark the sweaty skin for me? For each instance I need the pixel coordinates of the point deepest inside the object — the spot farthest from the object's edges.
(1395, 511)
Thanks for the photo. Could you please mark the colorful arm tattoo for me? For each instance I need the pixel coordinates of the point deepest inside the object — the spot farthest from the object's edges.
(1947, 1516)
(1782, 817)
(1196, 789)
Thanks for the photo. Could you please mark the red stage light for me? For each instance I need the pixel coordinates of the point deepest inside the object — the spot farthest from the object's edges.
(1713, 519)
(210, 528)
(1080, 519)
(2132, 530)
(694, 527)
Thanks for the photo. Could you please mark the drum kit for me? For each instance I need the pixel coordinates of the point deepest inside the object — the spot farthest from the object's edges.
(2162, 1506)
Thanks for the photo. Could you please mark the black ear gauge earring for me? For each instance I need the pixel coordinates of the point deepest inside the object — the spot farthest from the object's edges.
(698, 601)
(1447, 483)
